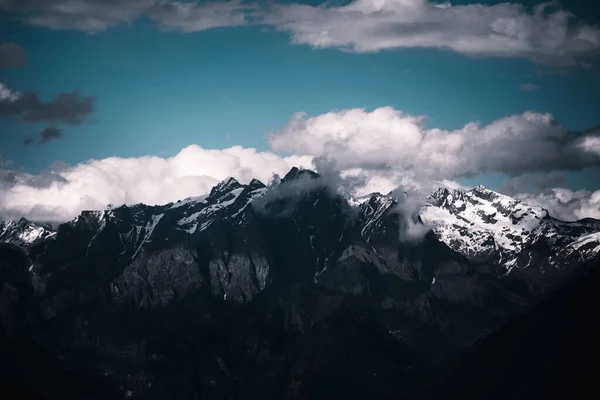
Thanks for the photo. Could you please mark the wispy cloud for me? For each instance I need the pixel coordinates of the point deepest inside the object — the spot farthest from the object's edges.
(357, 150)
(5, 163)
(532, 183)
(49, 133)
(188, 17)
(95, 16)
(546, 35)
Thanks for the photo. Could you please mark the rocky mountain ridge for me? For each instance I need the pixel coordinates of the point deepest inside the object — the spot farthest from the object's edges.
(215, 296)
(24, 233)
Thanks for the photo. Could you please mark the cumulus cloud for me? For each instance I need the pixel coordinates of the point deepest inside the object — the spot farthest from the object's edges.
(390, 141)
(62, 192)
(356, 151)
(546, 34)
(12, 56)
(567, 204)
(386, 149)
(68, 108)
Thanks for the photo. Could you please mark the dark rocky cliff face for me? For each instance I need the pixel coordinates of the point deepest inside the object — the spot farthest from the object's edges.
(255, 292)
(550, 352)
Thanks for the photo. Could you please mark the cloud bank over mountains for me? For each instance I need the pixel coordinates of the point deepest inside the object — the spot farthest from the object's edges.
(567, 204)
(358, 150)
(63, 191)
(546, 34)
(365, 151)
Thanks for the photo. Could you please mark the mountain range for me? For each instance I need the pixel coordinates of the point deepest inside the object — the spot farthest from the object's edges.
(292, 291)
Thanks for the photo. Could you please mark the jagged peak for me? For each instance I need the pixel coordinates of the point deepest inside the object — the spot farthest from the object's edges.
(89, 216)
(24, 222)
(444, 194)
(296, 173)
(492, 196)
(256, 184)
(111, 207)
(377, 196)
(225, 186)
(377, 200)
(440, 196)
(24, 232)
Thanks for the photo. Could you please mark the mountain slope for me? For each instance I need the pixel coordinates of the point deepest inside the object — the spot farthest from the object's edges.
(251, 287)
(550, 352)
(24, 233)
(487, 226)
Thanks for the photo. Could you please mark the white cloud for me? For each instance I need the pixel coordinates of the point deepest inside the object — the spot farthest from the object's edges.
(590, 144)
(567, 204)
(61, 195)
(548, 191)
(362, 151)
(547, 34)
(544, 35)
(392, 142)
(6, 94)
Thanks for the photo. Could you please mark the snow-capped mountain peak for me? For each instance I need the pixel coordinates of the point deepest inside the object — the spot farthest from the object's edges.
(587, 246)
(256, 184)
(23, 233)
(478, 223)
(372, 209)
(482, 221)
(224, 186)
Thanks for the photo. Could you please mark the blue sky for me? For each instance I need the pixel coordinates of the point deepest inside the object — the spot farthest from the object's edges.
(157, 91)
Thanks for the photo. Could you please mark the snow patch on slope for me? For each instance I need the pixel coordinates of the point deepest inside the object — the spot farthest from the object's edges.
(588, 245)
(23, 233)
(482, 221)
(374, 208)
(207, 215)
(149, 229)
(102, 221)
(189, 201)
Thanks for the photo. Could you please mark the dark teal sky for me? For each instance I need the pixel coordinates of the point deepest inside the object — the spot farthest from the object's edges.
(158, 92)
